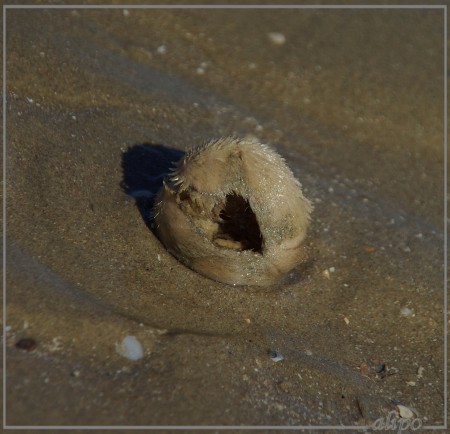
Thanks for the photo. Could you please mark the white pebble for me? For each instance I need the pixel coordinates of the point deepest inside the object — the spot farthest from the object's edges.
(126, 12)
(276, 38)
(405, 412)
(161, 49)
(406, 311)
(130, 348)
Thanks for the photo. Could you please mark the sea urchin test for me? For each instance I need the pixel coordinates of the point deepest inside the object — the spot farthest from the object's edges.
(233, 211)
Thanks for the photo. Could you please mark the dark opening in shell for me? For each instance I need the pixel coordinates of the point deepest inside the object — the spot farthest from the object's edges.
(238, 226)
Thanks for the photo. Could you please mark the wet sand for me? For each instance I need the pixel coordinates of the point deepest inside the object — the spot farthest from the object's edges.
(100, 102)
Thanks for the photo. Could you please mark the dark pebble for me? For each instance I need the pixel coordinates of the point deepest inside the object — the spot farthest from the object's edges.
(28, 344)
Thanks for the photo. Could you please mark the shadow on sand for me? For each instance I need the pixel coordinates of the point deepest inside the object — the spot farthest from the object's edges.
(144, 168)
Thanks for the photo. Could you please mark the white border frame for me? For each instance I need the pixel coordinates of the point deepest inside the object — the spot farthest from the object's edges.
(187, 427)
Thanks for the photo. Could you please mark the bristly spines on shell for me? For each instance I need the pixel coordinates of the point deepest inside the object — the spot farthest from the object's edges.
(186, 213)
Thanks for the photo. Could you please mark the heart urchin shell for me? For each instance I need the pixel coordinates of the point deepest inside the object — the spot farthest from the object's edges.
(233, 211)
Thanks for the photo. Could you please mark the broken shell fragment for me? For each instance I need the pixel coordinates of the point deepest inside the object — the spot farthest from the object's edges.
(233, 211)
(405, 412)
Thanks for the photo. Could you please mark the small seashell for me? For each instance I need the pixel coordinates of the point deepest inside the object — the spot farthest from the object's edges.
(406, 311)
(276, 38)
(130, 348)
(276, 356)
(364, 369)
(405, 412)
(233, 211)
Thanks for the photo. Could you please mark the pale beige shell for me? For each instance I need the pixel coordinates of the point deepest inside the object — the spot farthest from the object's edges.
(233, 211)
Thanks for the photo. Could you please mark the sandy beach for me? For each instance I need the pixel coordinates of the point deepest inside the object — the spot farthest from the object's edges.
(99, 105)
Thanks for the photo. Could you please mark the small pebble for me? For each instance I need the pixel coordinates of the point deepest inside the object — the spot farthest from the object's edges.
(411, 383)
(130, 348)
(405, 412)
(380, 368)
(126, 12)
(326, 274)
(161, 49)
(420, 372)
(364, 369)
(406, 311)
(56, 345)
(27, 344)
(276, 356)
(276, 38)
(346, 320)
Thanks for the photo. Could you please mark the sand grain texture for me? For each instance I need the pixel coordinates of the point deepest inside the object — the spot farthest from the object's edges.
(96, 112)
